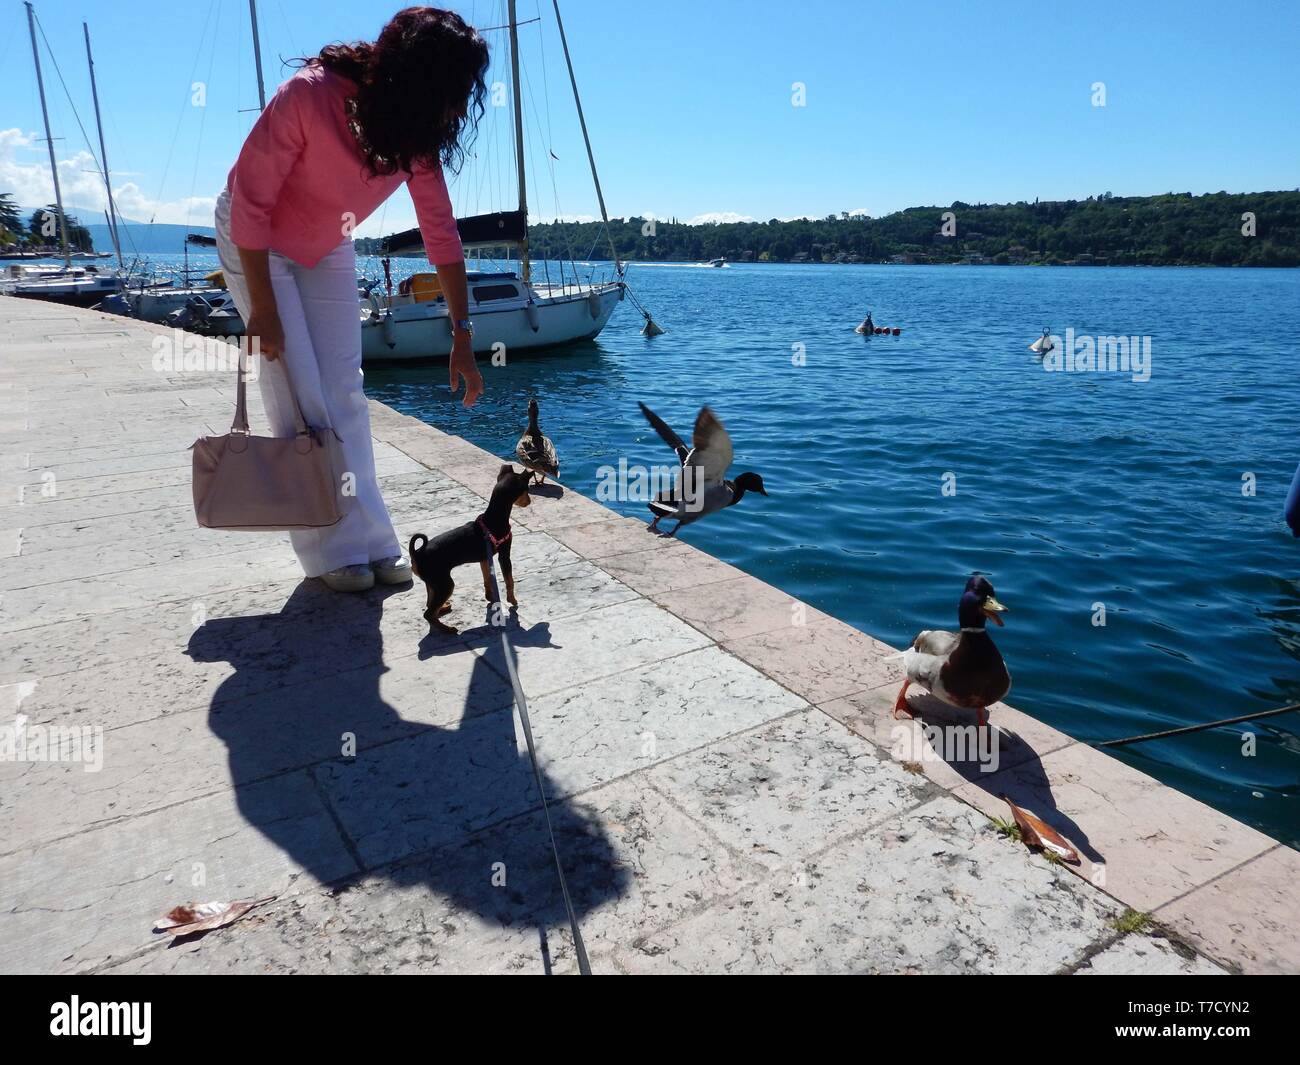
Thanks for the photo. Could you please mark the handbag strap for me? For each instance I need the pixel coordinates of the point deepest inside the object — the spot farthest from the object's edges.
(240, 424)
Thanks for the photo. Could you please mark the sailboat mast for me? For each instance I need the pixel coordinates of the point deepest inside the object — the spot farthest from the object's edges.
(49, 140)
(257, 56)
(519, 138)
(103, 152)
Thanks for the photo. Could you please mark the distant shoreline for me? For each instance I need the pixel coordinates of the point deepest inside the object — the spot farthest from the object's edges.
(1176, 229)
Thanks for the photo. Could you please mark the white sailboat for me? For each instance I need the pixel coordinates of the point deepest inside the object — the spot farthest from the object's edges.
(79, 286)
(507, 308)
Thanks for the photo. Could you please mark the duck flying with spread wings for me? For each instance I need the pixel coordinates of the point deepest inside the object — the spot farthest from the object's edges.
(702, 486)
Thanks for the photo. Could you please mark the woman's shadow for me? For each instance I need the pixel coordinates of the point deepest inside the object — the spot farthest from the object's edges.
(449, 803)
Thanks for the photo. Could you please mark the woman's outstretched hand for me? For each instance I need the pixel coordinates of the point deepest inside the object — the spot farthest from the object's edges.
(263, 328)
(463, 368)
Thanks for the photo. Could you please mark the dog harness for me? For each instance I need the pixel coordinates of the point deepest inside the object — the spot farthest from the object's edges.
(496, 544)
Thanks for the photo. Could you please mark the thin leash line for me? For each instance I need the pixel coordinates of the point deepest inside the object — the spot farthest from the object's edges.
(1198, 728)
(584, 967)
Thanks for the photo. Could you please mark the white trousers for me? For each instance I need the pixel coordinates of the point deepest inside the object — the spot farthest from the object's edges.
(320, 314)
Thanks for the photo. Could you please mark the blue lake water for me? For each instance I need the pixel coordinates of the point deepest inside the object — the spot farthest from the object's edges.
(1072, 489)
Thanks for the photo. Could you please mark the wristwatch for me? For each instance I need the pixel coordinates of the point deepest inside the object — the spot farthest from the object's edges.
(464, 325)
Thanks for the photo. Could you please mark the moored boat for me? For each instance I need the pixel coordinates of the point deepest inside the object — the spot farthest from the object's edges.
(510, 315)
(509, 311)
(76, 288)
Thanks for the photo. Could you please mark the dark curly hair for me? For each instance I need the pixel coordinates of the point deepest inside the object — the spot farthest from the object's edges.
(420, 89)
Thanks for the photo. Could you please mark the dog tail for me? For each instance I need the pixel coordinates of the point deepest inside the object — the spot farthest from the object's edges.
(412, 547)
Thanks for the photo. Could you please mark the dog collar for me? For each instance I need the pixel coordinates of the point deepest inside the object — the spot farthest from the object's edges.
(496, 544)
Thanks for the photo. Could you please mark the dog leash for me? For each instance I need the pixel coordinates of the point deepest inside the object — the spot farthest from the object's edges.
(512, 667)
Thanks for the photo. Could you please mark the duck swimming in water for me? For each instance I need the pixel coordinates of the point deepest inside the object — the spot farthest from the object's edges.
(702, 487)
(535, 451)
(964, 669)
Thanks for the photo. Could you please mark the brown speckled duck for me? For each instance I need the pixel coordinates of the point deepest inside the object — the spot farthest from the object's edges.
(535, 451)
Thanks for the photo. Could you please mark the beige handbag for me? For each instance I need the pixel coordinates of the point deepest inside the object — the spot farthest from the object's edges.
(253, 483)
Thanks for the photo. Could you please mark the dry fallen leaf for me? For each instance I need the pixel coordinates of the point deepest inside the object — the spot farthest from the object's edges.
(195, 917)
(1038, 833)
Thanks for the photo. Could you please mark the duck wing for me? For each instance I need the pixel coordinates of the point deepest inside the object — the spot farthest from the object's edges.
(712, 453)
(537, 452)
(665, 432)
(927, 656)
(936, 642)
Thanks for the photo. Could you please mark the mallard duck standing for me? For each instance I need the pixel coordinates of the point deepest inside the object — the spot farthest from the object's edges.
(964, 669)
(702, 487)
(535, 451)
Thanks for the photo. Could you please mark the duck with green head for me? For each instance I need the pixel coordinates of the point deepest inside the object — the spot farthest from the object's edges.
(965, 668)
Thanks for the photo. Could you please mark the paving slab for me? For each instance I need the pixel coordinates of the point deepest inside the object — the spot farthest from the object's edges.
(1143, 842)
(81, 901)
(936, 891)
(1247, 917)
(1144, 955)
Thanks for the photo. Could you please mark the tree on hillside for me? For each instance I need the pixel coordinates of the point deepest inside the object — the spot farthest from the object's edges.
(1170, 229)
(11, 223)
(44, 229)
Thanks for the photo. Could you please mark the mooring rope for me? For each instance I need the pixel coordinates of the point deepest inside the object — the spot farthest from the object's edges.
(512, 667)
(1198, 728)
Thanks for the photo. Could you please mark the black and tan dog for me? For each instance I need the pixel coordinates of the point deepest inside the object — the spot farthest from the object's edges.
(433, 560)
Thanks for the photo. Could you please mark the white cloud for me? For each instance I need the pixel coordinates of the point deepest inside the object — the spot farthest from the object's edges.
(713, 218)
(25, 172)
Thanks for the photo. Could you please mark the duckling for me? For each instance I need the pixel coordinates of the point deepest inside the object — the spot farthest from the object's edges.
(535, 451)
(963, 669)
(701, 487)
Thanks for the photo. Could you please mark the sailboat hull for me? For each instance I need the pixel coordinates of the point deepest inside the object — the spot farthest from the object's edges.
(72, 292)
(423, 330)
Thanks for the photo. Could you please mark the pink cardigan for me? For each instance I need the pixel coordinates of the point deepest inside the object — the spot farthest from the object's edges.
(301, 185)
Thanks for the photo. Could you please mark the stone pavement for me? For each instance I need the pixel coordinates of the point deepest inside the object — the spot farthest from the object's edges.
(729, 790)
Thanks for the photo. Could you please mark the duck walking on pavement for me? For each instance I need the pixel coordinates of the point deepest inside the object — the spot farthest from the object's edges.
(535, 451)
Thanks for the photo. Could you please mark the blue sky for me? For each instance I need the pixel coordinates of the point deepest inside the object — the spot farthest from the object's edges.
(690, 103)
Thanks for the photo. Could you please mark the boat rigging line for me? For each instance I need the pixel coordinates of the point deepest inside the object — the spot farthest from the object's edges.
(1198, 728)
(103, 152)
(651, 329)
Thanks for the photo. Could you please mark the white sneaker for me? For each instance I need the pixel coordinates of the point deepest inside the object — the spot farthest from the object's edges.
(395, 570)
(359, 578)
